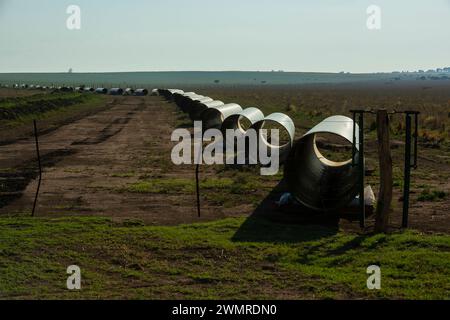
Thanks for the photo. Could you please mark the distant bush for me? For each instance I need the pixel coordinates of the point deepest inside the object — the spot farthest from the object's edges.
(429, 196)
(431, 139)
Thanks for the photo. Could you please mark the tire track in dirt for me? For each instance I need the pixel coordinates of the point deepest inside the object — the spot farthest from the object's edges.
(18, 161)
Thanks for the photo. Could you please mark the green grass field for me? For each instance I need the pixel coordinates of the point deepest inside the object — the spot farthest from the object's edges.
(230, 259)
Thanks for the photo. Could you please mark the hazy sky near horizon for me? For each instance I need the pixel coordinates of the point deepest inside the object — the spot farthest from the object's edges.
(212, 35)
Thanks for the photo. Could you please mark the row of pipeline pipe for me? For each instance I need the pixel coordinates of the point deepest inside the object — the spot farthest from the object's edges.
(86, 89)
(216, 114)
(119, 91)
(313, 180)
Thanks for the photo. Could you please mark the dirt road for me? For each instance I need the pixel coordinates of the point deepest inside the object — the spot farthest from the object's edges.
(89, 162)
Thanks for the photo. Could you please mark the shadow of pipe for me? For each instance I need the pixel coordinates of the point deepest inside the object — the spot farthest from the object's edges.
(290, 224)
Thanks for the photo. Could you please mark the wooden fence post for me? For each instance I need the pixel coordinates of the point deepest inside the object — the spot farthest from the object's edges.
(386, 182)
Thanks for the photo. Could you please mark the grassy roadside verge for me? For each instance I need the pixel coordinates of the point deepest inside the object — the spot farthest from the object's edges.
(234, 258)
(51, 110)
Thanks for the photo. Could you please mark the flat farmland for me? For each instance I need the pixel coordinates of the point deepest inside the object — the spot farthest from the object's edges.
(112, 202)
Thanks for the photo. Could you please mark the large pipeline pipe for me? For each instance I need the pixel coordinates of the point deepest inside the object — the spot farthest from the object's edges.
(177, 96)
(185, 101)
(180, 95)
(316, 182)
(128, 92)
(243, 120)
(191, 102)
(182, 100)
(196, 111)
(286, 134)
(101, 91)
(141, 92)
(213, 118)
(169, 93)
(116, 91)
(172, 92)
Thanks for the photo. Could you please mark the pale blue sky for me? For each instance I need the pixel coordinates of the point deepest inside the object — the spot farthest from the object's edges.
(170, 35)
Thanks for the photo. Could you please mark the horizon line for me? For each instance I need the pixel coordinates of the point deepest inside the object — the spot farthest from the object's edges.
(217, 71)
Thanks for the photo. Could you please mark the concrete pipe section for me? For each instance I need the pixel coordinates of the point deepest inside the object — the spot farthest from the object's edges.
(213, 118)
(198, 108)
(317, 182)
(286, 133)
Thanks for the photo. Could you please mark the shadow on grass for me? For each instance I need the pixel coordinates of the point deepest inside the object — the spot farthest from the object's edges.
(268, 223)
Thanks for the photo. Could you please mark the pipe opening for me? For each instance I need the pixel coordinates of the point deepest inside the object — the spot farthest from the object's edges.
(332, 149)
(284, 138)
(244, 124)
(243, 120)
